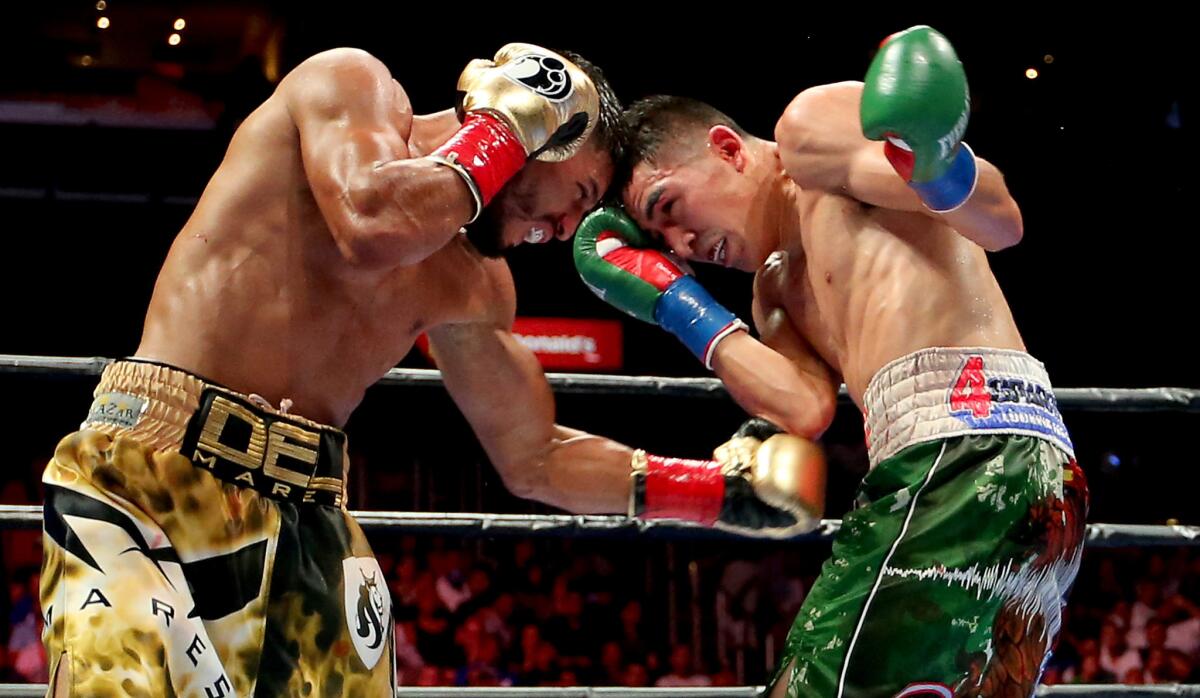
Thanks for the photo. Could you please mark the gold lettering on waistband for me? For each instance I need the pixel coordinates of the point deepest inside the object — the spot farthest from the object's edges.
(278, 444)
(219, 414)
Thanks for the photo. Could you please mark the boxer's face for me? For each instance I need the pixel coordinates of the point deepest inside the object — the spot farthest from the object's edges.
(544, 202)
(699, 201)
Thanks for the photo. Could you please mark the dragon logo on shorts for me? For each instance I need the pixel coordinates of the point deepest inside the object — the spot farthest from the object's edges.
(545, 75)
(368, 607)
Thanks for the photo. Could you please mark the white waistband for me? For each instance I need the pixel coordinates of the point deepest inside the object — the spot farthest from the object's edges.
(939, 393)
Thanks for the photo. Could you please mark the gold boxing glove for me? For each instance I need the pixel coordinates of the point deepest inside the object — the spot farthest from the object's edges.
(550, 104)
(762, 482)
(527, 102)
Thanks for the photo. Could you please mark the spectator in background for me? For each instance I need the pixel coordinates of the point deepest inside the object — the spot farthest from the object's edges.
(483, 665)
(1117, 657)
(611, 670)
(1109, 583)
(1183, 624)
(531, 641)
(545, 670)
(497, 619)
(725, 677)
(435, 633)
(566, 631)
(452, 581)
(25, 649)
(22, 548)
(633, 638)
(636, 676)
(1090, 672)
(1157, 668)
(682, 673)
(1145, 608)
(1119, 616)
(567, 678)
(1155, 638)
(403, 583)
(409, 661)
(429, 676)
(1133, 677)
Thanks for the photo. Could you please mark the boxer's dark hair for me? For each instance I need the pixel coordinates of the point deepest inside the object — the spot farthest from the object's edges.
(655, 125)
(610, 129)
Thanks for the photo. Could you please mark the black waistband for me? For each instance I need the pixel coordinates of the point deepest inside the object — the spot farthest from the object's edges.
(281, 458)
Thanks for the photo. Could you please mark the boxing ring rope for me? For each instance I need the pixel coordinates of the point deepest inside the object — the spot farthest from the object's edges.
(467, 524)
(13, 690)
(1091, 399)
(1099, 535)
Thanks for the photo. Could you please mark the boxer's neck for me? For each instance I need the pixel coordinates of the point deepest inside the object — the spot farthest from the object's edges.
(776, 203)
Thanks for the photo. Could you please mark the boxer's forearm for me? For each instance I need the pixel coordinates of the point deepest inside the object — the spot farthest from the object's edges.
(400, 212)
(769, 385)
(498, 384)
(990, 218)
(822, 147)
(587, 474)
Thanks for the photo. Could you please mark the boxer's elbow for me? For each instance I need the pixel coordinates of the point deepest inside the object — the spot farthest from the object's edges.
(814, 154)
(524, 476)
(521, 482)
(1003, 227)
(806, 414)
(1011, 225)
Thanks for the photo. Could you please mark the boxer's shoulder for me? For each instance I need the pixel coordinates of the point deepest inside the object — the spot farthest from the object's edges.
(344, 61)
(813, 105)
(338, 79)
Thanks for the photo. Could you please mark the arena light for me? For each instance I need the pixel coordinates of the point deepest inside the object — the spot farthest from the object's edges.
(1031, 73)
(1048, 59)
(86, 61)
(180, 24)
(101, 5)
(103, 22)
(174, 39)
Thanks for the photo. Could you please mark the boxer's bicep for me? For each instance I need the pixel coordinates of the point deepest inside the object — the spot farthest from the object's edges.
(353, 121)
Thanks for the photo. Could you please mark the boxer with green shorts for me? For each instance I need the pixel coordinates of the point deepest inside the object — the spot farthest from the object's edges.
(867, 223)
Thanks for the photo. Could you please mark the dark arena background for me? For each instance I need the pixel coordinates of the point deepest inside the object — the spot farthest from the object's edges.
(114, 114)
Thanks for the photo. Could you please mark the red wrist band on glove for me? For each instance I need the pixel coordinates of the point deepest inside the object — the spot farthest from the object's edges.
(680, 488)
(487, 152)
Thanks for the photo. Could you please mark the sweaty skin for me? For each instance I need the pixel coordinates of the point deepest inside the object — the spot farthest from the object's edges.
(326, 243)
(852, 271)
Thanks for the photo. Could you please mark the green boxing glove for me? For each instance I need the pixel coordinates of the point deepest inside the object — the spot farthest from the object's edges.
(915, 98)
(617, 260)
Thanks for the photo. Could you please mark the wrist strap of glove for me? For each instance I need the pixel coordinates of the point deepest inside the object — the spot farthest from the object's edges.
(677, 488)
(950, 191)
(485, 153)
(688, 311)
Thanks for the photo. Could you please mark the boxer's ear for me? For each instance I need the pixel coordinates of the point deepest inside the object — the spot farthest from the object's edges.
(726, 144)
